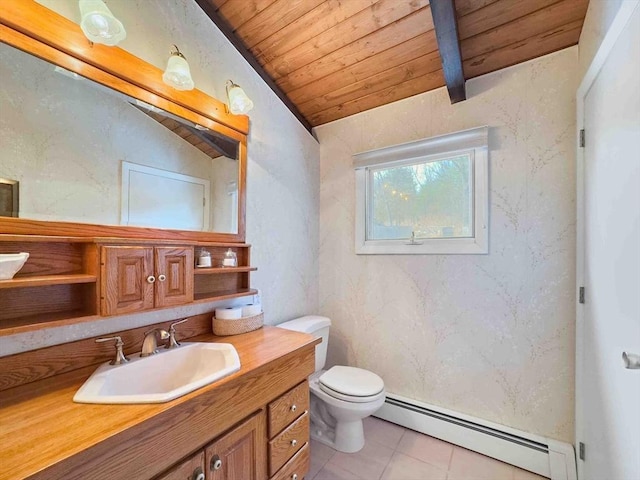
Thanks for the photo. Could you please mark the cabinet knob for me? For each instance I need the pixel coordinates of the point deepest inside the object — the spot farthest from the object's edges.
(294, 442)
(293, 408)
(151, 279)
(198, 474)
(294, 476)
(162, 278)
(216, 463)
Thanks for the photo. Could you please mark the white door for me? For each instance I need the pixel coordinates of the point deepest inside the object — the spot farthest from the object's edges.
(608, 395)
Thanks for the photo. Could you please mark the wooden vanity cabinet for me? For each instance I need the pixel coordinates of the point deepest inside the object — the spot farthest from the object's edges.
(247, 453)
(241, 453)
(190, 469)
(136, 278)
(289, 434)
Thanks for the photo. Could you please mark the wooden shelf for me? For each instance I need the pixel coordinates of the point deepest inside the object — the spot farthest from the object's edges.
(214, 296)
(216, 270)
(46, 280)
(29, 323)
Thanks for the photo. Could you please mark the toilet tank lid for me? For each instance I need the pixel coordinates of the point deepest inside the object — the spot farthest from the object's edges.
(307, 324)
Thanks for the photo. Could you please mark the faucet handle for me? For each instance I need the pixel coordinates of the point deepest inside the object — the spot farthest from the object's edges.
(173, 343)
(120, 358)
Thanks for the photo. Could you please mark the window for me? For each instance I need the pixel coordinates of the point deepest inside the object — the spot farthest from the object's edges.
(428, 196)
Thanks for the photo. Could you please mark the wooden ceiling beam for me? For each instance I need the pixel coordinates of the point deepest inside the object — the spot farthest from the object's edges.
(445, 23)
(211, 12)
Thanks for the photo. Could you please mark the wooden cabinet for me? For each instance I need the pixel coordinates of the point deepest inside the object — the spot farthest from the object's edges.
(69, 280)
(218, 281)
(57, 285)
(190, 469)
(240, 454)
(285, 409)
(246, 453)
(224, 421)
(137, 278)
(289, 434)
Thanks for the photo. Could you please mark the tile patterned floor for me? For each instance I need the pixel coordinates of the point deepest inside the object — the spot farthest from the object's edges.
(392, 452)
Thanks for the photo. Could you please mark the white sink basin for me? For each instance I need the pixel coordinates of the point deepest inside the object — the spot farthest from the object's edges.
(161, 377)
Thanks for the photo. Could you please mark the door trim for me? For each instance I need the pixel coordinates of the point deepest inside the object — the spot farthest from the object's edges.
(625, 12)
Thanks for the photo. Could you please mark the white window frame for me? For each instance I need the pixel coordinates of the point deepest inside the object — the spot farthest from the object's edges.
(474, 142)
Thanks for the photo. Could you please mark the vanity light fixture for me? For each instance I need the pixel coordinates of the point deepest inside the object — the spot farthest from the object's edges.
(177, 73)
(239, 103)
(98, 23)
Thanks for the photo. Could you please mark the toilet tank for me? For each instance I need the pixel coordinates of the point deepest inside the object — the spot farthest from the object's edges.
(318, 327)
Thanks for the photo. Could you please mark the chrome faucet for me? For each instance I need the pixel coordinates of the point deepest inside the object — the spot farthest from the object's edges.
(150, 342)
(173, 343)
(120, 358)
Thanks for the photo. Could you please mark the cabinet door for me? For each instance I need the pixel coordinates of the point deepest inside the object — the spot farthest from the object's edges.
(190, 469)
(174, 274)
(127, 279)
(241, 453)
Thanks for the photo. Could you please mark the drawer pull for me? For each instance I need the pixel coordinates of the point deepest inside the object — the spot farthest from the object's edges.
(216, 463)
(162, 277)
(294, 476)
(294, 442)
(293, 408)
(151, 279)
(198, 474)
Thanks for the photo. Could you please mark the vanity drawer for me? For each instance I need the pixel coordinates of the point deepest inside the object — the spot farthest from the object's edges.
(287, 408)
(286, 444)
(297, 467)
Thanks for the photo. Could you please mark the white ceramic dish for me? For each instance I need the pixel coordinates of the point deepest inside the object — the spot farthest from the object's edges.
(161, 377)
(10, 263)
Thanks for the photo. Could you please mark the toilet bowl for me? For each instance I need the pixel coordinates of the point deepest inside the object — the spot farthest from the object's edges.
(341, 397)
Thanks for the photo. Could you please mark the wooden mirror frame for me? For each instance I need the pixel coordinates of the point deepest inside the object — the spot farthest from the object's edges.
(33, 28)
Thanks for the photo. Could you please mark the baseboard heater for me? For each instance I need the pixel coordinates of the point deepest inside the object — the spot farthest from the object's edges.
(547, 457)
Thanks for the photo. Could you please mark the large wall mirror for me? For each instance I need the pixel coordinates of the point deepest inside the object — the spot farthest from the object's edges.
(81, 152)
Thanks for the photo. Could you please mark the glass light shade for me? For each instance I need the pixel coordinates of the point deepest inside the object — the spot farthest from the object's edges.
(98, 23)
(177, 73)
(239, 103)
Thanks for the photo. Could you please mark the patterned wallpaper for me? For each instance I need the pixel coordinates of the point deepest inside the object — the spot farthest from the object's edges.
(486, 335)
(283, 173)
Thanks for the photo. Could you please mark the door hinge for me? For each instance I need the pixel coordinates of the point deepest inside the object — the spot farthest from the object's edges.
(581, 295)
(581, 451)
(582, 138)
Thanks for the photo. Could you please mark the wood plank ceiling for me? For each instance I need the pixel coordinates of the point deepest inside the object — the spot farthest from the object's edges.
(335, 58)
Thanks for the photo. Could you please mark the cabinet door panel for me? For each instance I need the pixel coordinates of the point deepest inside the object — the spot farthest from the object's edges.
(174, 268)
(124, 286)
(241, 453)
(190, 469)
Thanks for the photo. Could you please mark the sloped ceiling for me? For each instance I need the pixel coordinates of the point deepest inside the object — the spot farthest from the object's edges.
(333, 58)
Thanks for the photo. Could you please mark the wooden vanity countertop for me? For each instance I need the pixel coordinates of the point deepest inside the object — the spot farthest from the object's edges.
(41, 426)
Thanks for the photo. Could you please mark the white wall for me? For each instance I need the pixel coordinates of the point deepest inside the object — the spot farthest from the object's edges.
(283, 170)
(487, 335)
(599, 16)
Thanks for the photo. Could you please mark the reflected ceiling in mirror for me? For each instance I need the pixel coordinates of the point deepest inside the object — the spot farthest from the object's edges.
(84, 153)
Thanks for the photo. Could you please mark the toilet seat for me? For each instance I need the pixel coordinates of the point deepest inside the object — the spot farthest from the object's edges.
(351, 384)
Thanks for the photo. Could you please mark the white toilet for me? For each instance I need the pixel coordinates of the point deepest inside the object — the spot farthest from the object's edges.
(341, 397)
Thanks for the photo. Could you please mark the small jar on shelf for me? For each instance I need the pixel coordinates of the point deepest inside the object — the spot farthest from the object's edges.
(204, 259)
(230, 259)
